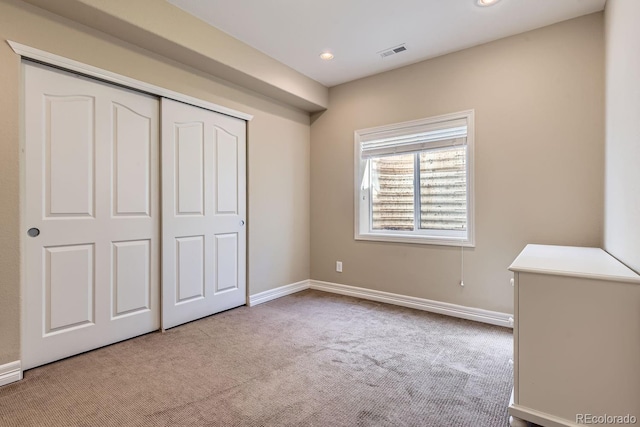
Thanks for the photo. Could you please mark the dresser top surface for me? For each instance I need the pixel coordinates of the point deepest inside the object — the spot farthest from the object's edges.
(592, 263)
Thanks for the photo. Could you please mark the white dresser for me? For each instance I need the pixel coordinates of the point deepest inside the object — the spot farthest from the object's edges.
(576, 337)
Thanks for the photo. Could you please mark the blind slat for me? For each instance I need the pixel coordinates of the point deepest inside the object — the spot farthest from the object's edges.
(395, 148)
(413, 129)
(416, 138)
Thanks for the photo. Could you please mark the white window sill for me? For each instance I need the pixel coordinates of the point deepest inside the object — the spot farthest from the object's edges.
(422, 240)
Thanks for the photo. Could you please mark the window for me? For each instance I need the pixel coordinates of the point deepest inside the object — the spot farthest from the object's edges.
(414, 181)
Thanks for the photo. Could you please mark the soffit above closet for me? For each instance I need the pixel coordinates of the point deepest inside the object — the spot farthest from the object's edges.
(164, 29)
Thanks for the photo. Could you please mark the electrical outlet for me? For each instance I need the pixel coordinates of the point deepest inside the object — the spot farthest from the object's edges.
(339, 266)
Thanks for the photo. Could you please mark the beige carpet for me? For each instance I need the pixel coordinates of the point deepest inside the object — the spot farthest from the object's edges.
(308, 359)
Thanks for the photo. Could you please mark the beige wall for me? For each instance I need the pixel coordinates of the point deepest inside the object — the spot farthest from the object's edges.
(622, 167)
(538, 99)
(278, 153)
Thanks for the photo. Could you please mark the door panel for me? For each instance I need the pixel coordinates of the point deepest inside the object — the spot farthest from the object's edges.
(69, 282)
(189, 168)
(226, 261)
(190, 267)
(204, 209)
(227, 172)
(69, 155)
(132, 165)
(92, 189)
(131, 276)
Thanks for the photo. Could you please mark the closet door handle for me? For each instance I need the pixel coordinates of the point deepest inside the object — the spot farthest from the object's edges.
(33, 232)
(241, 222)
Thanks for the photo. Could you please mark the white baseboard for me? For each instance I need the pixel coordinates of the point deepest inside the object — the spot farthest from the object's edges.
(463, 312)
(281, 291)
(470, 313)
(10, 372)
(539, 418)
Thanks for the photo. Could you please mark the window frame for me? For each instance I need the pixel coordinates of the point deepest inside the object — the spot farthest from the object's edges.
(362, 196)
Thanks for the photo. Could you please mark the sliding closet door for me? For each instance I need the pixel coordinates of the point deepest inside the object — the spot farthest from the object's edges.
(91, 215)
(204, 212)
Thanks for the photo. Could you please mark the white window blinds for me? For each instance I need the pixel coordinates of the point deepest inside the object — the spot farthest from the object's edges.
(415, 138)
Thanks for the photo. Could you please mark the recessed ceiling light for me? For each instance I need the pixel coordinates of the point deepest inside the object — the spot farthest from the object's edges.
(326, 56)
(485, 3)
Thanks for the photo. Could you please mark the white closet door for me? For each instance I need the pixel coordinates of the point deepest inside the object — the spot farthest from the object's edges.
(92, 273)
(203, 212)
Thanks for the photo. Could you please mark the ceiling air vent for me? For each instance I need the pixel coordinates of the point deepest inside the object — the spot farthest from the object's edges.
(392, 50)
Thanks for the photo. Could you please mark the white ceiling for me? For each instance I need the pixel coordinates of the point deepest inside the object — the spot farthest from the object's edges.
(295, 32)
